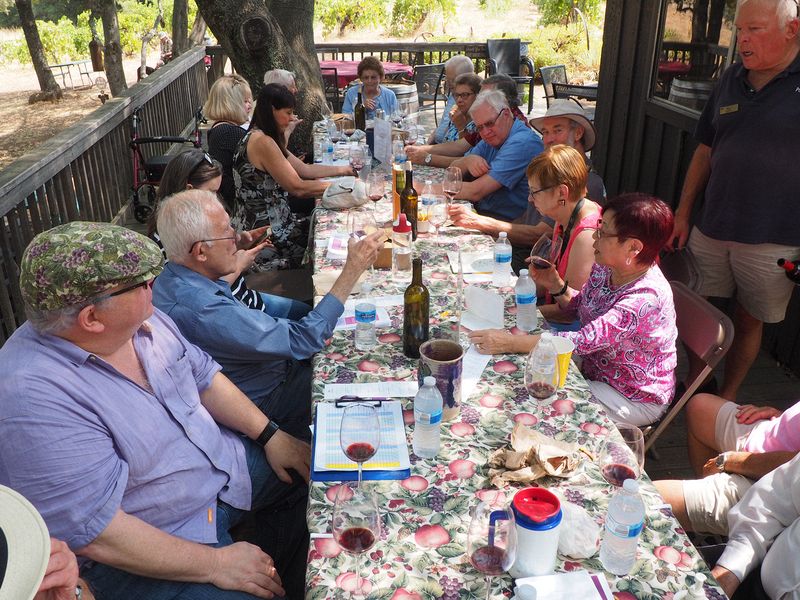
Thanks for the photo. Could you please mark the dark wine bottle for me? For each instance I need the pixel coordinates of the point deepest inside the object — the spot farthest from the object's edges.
(792, 269)
(416, 308)
(409, 200)
(360, 114)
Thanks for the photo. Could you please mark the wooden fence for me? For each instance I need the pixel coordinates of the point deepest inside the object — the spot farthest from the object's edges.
(411, 53)
(85, 172)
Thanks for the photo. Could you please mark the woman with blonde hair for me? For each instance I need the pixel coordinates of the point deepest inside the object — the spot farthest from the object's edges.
(229, 103)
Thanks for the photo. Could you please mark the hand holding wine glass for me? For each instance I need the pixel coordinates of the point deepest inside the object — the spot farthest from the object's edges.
(356, 526)
(623, 459)
(360, 434)
(491, 541)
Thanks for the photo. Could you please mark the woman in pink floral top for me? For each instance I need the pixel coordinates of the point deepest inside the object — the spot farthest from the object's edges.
(628, 332)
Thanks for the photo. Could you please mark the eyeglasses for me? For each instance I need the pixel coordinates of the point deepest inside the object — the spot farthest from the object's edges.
(147, 283)
(490, 124)
(600, 234)
(532, 194)
(219, 239)
(463, 96)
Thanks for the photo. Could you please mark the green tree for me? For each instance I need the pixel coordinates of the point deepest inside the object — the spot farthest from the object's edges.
(47, 83)
(344, 14)
(555, 12)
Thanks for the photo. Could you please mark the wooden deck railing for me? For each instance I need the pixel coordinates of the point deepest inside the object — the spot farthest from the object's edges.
(85, 172)
(411, 53)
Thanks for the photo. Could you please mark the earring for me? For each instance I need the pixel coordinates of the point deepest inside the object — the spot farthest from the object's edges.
(562, 202)
(628, 261)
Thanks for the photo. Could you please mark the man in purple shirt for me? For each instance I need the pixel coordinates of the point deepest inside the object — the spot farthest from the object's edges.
(127, 438)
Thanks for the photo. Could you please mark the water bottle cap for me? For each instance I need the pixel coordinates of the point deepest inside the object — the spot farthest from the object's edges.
(523, 272)
(631, 485)
(503, 234)
(429, 381)
(401, 225)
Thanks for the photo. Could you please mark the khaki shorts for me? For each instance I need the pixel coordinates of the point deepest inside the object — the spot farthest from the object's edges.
(708, 500)
(747, 270)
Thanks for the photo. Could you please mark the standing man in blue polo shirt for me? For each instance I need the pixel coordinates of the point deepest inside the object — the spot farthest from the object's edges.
(747, 165)
(499, 160)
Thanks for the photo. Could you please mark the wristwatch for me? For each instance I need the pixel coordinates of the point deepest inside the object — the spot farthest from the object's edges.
(428, 158)
(265, 436)
(720, 461)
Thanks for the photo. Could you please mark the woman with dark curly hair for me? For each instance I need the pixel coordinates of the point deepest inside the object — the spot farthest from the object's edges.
(373, 94)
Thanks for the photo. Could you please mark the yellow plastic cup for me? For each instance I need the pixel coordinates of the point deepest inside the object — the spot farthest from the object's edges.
(564, 348)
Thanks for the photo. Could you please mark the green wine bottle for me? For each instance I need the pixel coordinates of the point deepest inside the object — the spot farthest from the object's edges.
(409, 199)
(416, 309)
(360, 114)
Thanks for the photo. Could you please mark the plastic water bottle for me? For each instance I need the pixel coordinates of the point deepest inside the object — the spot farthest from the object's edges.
(327, 157)
(525, 294)
(426, 200)
(365, 320)
(541, 369)
(427, 419)
(624, 523)
(502, 261)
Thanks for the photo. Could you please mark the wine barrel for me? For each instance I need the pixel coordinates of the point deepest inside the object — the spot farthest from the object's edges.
(691, 93)
(407, 98)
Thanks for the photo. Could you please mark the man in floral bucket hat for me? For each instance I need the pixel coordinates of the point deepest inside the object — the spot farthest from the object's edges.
(128, 439)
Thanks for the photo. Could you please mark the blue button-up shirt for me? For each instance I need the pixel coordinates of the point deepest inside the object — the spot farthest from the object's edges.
(252, 347)
(385, 100)
(507, 166)
(81, 441)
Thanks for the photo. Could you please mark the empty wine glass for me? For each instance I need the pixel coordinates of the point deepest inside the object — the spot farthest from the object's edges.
(452, 183)
(376, 188)
(545, 251)
(622, 459)
(360, 223)
(357, 157)
(437, 215)
(491, 541)
(360, 434)
(356, 526)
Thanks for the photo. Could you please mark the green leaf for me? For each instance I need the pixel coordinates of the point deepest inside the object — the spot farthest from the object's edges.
(432, 588)
(456, 503)
(450, 550)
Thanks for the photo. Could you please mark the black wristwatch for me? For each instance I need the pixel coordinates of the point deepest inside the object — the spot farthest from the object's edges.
(266, 435)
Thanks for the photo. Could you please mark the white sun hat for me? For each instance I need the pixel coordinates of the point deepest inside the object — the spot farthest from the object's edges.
(27, 542)
(572, 111)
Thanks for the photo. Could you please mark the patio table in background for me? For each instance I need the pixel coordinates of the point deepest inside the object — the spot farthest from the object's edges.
(64, 71)
(422, 548)
(347, 70)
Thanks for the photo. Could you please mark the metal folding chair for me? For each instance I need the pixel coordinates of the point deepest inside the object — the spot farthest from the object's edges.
(505, 58)
(704, 330)
(430, 86)
(551, 75)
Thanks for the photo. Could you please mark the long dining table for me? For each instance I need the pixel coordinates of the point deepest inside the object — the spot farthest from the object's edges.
(421, 552)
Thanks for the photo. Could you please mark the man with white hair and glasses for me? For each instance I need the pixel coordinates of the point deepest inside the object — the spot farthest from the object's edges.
(497, 163)
(745, 166)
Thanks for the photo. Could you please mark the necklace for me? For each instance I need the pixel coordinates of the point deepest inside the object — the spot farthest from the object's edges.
(628, 278)
(568, 231)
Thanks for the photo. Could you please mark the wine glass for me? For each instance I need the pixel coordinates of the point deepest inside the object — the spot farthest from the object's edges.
(491, 541)
(356, 526)
(360, 223)
(437, 215)
(541, 376)
(360, 434)
(376, 188)
(622, 459)
(545, 251)
(349, 127)
(452, 183)
(335, 132)
(357, 158)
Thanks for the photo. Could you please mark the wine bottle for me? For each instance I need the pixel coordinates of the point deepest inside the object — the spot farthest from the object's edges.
(360, 114)
(792, 269)
(409, 201)
(416, 308)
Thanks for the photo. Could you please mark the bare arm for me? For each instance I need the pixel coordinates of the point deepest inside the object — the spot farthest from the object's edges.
(456, 149)
(727, 580)
(264, 154)
(695, 182)
(477, 190)
(317, 171)
(519, 234)
(132, 545)
(753, 465)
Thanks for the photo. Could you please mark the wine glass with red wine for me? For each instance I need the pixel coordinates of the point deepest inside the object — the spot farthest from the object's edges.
(376, 188)
(491, 541)
(360, 434)
(451, 185)
(544, 253)
(622, 459)
(356, 526)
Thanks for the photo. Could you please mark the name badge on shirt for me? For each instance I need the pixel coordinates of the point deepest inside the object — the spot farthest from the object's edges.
(726, 110)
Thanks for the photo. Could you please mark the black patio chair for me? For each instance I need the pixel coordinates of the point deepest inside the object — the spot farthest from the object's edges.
(430, 86)
(550, 75)
(505, 58)
(328, 53)
(330, 81)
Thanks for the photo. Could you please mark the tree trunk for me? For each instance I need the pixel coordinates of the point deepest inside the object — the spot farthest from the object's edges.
(272, 34)
(699, 21)
(180, 27)
(197, 36)
(715, 21)
(113, 49)
(47, 83)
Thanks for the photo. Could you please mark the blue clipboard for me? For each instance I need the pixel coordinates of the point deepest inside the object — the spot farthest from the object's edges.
(338, 475)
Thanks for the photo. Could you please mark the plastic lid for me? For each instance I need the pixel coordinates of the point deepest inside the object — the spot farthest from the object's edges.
(631, 485)
(503, 234)
(401, 225)
(537, 505)
(523, 272)
(786, 264)
(429, 381)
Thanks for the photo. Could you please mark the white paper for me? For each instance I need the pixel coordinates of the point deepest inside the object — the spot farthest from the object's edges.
(484, 309)
(472, 370)
(383, 141)
(337, 247)
(467, 258)
(379, 301)
(378, 389)
(348, 319)
(568, 586)
(477, 277)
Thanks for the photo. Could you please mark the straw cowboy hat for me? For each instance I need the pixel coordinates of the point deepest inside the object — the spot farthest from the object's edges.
(24, 547)
(570, 110)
